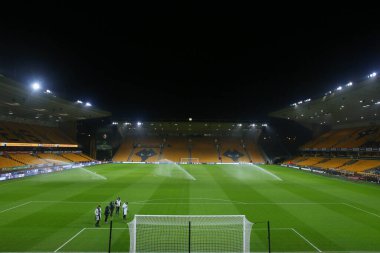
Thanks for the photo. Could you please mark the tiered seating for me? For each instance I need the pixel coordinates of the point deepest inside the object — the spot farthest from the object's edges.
(86, 157)
(8, 163)
(361, 165)
(204, 149)
(232, 150)
(360, 137)
(176, 148)
(254, 152)
(147, 150)
(124, 150)
(345, 138)
(27, 159)
(311, 161)
(25, 133)
(333, 163)
(75, 157)
(53, 158)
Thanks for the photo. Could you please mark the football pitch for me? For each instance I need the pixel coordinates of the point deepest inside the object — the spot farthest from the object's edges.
(307, 212)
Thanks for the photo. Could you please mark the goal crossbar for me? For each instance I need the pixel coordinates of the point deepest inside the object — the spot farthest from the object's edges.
(190, 233)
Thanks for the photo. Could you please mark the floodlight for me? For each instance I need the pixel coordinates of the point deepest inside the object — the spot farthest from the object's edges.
(349, 84)
(139, 123)
(88, 104)
(239, 125)
(253, 125)
(190, 119)
(372, 75)
(79, 102)
(48, 91)
(264, 125)
(36, 86)
(339, 88)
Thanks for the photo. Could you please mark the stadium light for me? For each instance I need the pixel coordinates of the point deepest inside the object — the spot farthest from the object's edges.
(139, 123)
(48, 91)
(36, 86)
(349, 84)
(115, 123)
(253, 125)
(339, 88)
(372, 75)
(264, 125)
(307, 100)
(88, 104)
(79, 102)
(239, 125)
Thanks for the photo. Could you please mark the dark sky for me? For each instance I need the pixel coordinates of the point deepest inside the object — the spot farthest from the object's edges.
(173, 62)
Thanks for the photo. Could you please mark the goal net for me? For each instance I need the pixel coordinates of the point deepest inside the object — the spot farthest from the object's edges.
(189, 160)
(194, 233)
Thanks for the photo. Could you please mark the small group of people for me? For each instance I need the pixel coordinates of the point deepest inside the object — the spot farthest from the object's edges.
(109, 209)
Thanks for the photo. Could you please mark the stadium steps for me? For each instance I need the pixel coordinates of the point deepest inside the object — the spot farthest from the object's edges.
(131, 154)
(16, 160)
(246, 152)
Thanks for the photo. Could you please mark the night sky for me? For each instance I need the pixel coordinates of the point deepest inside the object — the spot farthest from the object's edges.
(174, 62)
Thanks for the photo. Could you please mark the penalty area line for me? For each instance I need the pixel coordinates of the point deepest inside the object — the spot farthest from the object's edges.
(306, 240)
(3, 211)
(70, 239)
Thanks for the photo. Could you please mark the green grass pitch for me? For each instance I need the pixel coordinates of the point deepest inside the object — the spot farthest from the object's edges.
(308, 213)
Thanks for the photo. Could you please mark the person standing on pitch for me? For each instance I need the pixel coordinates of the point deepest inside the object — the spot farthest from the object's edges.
(125, 210)
(112, 207)
(106, 213)
(98, 215)
(118, 203)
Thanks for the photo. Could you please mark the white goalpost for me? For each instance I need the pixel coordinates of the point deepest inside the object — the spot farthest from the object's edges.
(190, 233)
(189, 160)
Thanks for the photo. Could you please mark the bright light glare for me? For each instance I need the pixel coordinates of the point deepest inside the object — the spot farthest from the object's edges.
(349, 84)
(139, 123)
(239, 125)
(48, 91)
(190, 119)
(339, 88)
(88, 104)
(264, 125)
(79, 102)
(372, 75)
(36, 86)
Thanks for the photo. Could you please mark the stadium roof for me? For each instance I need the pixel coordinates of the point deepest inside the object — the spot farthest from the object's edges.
(352, 104)
(188, 128)
(20, 102)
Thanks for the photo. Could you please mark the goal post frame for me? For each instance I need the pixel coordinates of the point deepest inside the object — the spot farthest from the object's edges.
(142, 225)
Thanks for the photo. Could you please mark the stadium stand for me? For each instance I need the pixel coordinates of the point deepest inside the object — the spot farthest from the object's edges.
(232, 150)
(53, 158)
(74, 157)
(8, 163)
(176, 148)
(25, 133)
(125, 151)
(204, 149)
(254, 152)
(27, 159)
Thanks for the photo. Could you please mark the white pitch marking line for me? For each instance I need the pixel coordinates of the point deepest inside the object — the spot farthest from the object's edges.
(70, 239)
(267, 172)
(361, 209)
(306, 240)
(3, 211)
